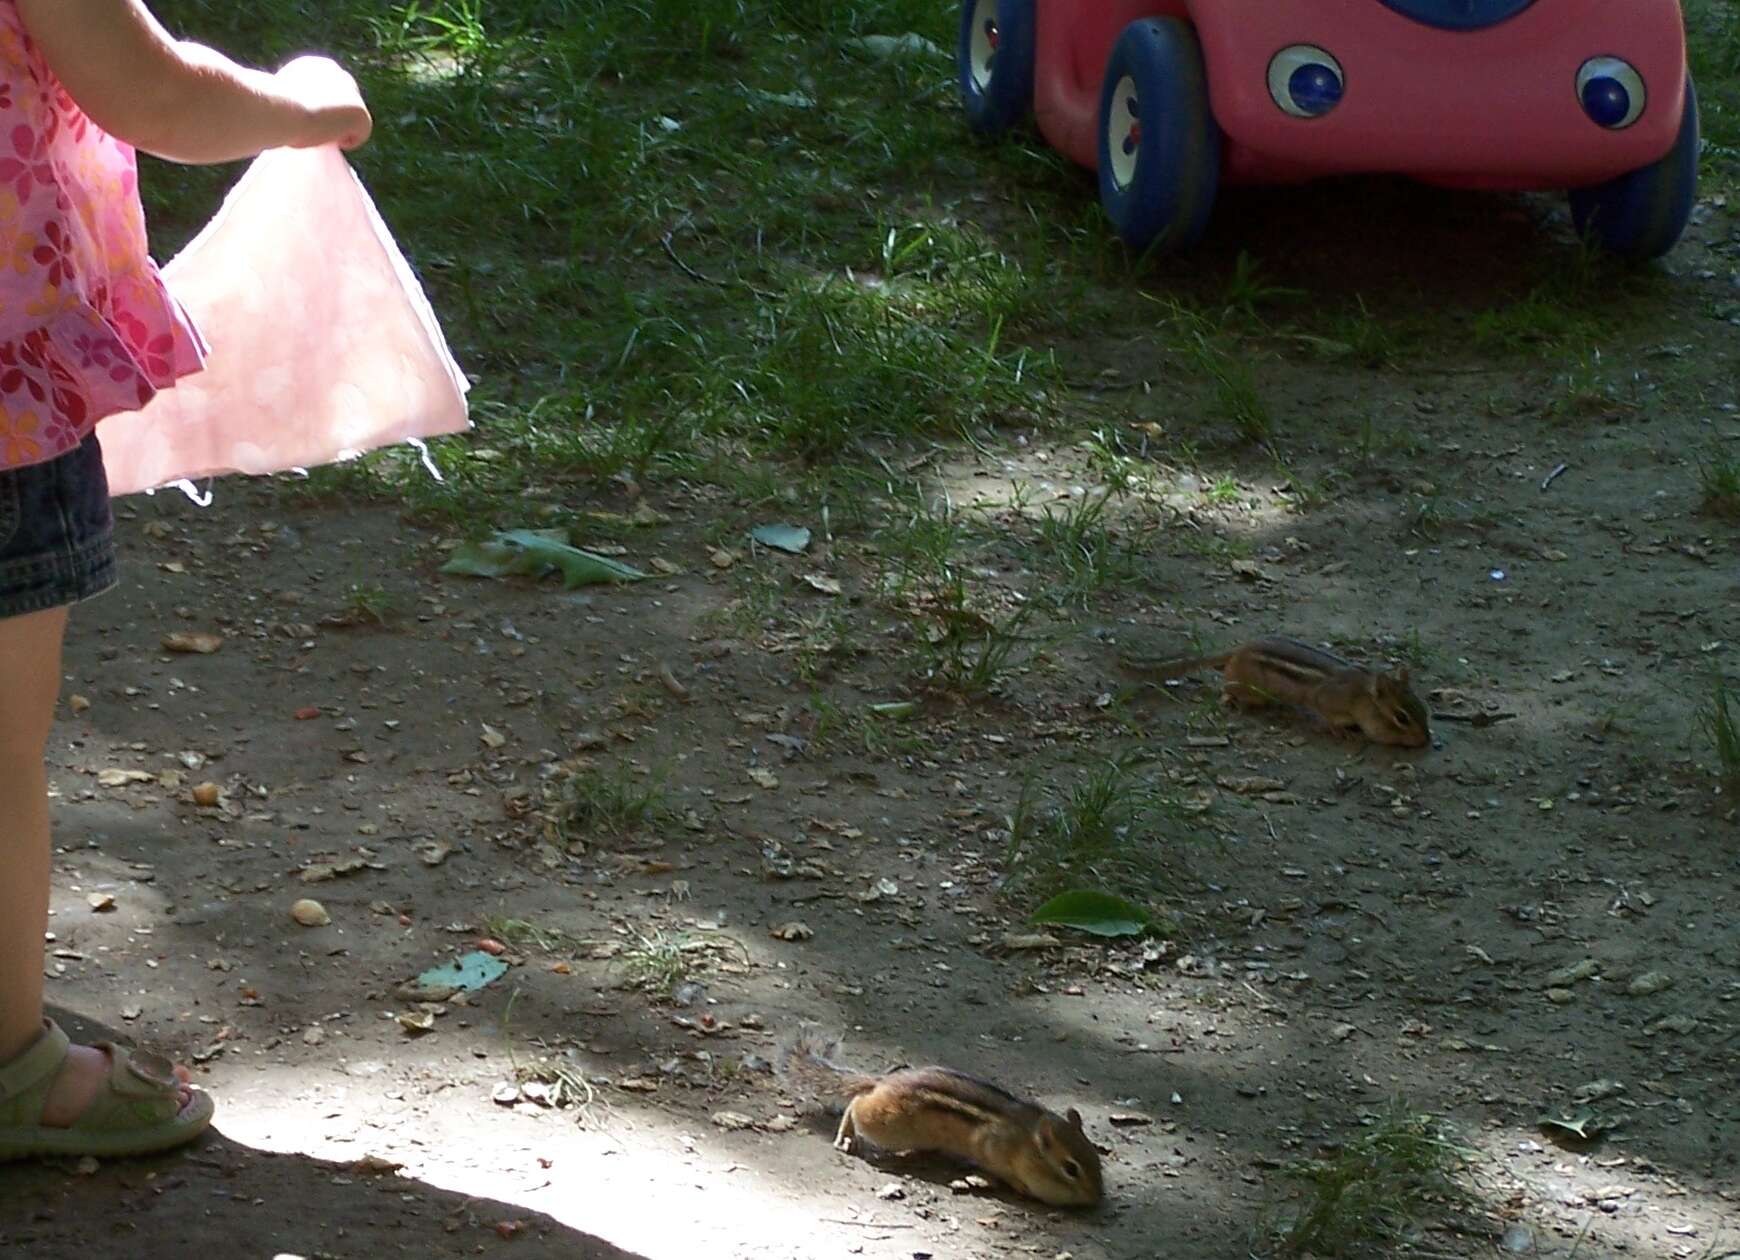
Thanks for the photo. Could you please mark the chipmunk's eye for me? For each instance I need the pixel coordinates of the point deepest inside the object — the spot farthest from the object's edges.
(1404, 718)
(1072, 1168)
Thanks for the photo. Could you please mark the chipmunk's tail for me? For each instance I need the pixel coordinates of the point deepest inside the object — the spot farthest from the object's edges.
(1163, 668)
(805, 1063)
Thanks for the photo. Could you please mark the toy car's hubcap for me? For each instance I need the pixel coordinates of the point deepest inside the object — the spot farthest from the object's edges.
(984, 49)
(1124, 131)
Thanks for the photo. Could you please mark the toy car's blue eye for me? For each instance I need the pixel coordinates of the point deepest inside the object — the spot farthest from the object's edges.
(1611, 91)
(1305, 81)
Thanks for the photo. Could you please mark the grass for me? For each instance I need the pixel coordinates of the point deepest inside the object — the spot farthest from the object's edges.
(523, 935)
(1713, 38)
(675, 240)
(966, 637)
(1235, 399)
(1109, 830)
(1078, 553)
(660, 962)
(370, 602)
(665, 281)
(1721, 723)
(616, 801)
(1367, 1197)
(1719, 480)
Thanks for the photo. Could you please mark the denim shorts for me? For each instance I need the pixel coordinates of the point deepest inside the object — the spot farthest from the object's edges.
(57, 535)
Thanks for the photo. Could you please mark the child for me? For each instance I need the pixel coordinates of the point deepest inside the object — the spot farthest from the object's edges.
(87, 329)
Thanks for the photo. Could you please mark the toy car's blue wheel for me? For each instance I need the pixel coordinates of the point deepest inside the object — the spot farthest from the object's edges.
(996, 63)
(1642, 213)
(1159, 143)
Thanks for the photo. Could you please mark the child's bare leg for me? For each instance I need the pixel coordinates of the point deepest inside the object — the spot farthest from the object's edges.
(29, 684)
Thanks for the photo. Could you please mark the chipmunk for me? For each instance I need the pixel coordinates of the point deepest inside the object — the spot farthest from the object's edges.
(1040, 1154)
(1284, 671)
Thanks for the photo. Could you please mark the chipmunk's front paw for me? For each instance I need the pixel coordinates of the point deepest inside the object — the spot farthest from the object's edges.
(846, 1142)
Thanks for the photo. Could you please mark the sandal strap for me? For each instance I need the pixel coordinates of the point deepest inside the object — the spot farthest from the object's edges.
(37, 1065)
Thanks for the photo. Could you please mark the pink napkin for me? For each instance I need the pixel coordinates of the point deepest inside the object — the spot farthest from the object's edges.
(322, 343)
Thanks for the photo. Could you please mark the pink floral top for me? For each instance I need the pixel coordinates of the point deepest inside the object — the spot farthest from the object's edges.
(87, 327)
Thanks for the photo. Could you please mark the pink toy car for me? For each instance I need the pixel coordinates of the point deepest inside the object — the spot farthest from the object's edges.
(1168, 98)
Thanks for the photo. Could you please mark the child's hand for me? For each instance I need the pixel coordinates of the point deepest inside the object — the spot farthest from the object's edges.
(335, 106)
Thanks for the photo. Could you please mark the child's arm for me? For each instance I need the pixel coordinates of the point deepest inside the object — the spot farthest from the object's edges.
(180, 100)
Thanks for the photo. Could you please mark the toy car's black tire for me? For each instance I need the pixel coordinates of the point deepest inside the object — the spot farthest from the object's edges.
(995, 59)
(1159, 143)
(1641, 214)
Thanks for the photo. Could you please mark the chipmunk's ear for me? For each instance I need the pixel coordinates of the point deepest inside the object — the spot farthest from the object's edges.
(1402, 675)
(1074, 1117)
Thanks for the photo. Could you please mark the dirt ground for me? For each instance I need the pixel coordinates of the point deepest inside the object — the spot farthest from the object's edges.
(1365, 924)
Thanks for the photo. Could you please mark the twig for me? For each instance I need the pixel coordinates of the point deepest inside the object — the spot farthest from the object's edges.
(841, 1220)
(1475, 719)
(1552, 476)
(684, 267)
(670, 249)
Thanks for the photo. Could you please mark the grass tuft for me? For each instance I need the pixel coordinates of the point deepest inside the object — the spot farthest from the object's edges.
(1078, 552)
(1721, 723)
(1719, 478)
(617, 801)
(1110, 829)
(1367, 1197)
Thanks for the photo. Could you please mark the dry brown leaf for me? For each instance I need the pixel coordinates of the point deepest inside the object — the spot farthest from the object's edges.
(192, 641)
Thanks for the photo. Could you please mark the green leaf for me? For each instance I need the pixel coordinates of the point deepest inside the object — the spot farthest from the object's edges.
(1099, 913)
(788, 538)
(470, 971)
(1582, 1124)
(534, 553)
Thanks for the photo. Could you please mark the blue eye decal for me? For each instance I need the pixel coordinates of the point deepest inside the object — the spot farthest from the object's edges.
(1611, 91)
(1305, 81)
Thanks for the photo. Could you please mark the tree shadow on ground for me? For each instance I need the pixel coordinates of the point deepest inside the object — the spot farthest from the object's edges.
(221, 1197)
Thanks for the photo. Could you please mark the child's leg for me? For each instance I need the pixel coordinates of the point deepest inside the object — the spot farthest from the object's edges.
(29, 683)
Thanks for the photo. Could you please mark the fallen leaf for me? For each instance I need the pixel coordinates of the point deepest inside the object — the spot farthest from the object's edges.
(121, 778)
(100, 902)
(764, 778)
(321, 872)
(535, 553)
(1097, 913)
(796, 930)
(417, 1021)
(821, 582)
(1250, 784)
(376, 1165)
(434, 852)
(881, 889)
(1581, 1125)
(192, 641)
(733, 1120)
(791, 539)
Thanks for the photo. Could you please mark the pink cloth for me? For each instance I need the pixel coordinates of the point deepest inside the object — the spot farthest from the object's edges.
(322, 344)
(86, 326)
